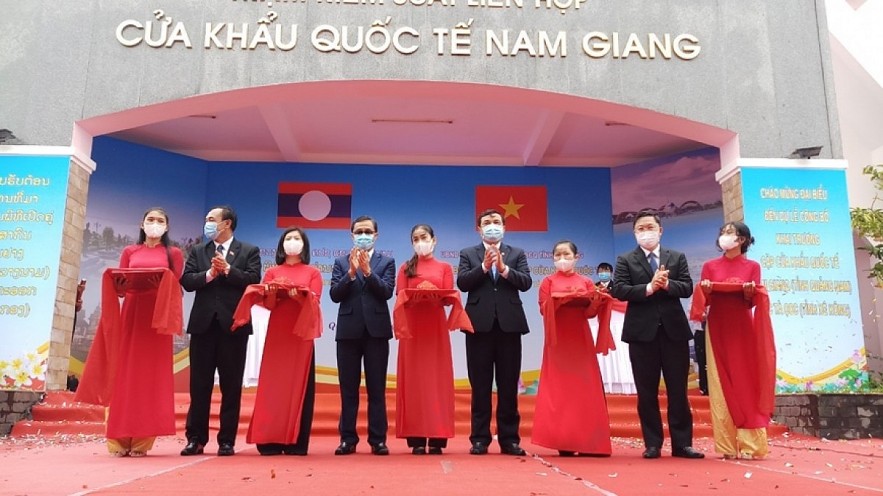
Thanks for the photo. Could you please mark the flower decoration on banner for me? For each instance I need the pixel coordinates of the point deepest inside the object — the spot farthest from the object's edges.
(851, 376)
(25, 372)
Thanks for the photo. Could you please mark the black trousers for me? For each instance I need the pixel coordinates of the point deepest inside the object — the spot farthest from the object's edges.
(350, 355)
(489, 355)
(672, 359)
(699, 346)
(302, 445)
(225, 351)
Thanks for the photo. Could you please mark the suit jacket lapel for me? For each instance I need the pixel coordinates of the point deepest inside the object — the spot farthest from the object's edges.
(642, 260)
(233, 252)
(664, 256)
(375, 261)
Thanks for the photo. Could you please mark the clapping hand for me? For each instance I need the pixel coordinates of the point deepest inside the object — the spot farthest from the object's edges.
(500, 264)
(490, 258)
(354, 262)
(660, 278)
(364, 263)
(219, 265)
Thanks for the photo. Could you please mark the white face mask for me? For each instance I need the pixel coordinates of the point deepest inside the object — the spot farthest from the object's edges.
(728, 241)
(565, 265)
(423, 248)
(647, 239)
(293, 246)
(492, 233)
(154, 230)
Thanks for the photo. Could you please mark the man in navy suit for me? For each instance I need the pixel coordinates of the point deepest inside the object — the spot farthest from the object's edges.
(653, 280)
(493, 273)
(218, 271)
(362, 282)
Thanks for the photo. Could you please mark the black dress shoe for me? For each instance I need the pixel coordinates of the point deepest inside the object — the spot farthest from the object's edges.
(418, 450)
(345, 448)
(379, 449)
(270, 449)
(512, 449)
(293, 449)
(226, 449)
(651, 452)
(478, 448)
(434, 450)
(193, 448)
(687, 452)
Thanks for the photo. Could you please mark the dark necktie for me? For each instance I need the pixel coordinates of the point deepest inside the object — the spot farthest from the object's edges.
(220, 250)
(651, 257)
(494, 273)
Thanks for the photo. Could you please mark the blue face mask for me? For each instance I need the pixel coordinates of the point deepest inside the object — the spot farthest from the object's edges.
(603, 276)
(210, 230)
(492, 233)
(364, 241)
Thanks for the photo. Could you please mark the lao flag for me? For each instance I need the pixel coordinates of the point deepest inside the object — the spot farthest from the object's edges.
(315, 205)
(524, 208)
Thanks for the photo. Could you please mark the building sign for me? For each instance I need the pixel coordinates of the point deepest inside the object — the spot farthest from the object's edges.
(282, 28)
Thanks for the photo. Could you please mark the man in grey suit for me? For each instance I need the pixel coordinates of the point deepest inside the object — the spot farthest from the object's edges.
(653, 280)
(493, 273)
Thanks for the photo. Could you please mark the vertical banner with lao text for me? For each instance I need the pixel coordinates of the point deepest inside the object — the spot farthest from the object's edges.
(800, 220)
(33, 190)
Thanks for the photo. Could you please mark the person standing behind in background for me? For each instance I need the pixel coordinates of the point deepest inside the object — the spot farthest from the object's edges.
(361, 283)
(492, 273)
(605, 277)
(653, 280)
(72, 381)
(218, 271)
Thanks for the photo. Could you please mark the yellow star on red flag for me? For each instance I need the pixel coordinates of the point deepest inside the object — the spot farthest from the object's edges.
(528, 213)
(511, 209)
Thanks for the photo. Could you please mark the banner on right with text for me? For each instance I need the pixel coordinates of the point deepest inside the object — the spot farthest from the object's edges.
(800, 221)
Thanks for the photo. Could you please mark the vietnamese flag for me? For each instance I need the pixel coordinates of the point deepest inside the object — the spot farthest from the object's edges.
(524, 208)
(315, 205)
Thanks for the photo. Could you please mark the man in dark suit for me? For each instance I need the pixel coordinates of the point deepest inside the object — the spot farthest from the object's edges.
(653, 280)
(605, 277)
(493, 273)
(218, 271)
(362, 282)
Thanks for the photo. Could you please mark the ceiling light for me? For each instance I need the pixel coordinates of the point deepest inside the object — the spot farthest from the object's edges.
(412, 121)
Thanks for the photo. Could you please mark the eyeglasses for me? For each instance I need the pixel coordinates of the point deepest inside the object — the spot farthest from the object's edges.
(363, 231)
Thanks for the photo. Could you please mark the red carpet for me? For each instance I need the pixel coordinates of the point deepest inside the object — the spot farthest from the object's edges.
(797, 465)
(60, 415)
(62, 452)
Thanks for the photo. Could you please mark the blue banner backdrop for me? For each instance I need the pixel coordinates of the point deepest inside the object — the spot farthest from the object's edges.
(131, 178)
(33, 191)
(800, 220)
